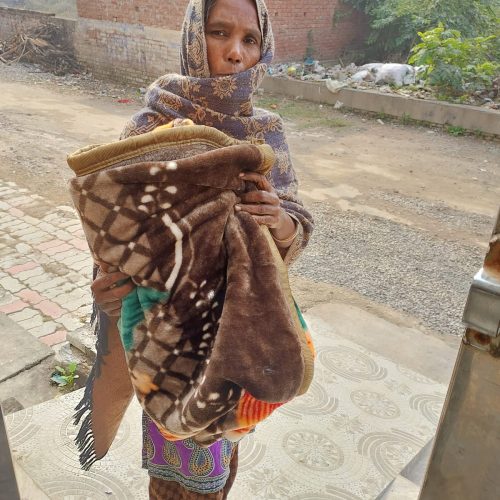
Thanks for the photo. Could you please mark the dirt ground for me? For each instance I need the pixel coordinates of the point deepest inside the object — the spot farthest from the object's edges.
(403, 213)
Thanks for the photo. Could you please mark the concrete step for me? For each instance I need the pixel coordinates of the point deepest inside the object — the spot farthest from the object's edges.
(407, 485)
(415, 471)
(25, 366)
(42, 441)
(366, 417)
(400, 489)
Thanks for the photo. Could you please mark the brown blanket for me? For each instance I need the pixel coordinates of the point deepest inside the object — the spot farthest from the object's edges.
(212, 337)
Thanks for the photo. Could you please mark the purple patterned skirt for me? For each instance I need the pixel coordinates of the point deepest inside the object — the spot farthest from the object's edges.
(203, 470)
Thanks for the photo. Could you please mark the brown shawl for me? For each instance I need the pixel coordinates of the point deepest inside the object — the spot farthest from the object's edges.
(213, 339)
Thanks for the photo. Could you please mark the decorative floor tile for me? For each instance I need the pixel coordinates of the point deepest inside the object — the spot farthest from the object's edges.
(360, 424)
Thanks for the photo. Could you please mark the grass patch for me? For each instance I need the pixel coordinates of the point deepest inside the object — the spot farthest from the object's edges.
(305, 114)
(455, 131)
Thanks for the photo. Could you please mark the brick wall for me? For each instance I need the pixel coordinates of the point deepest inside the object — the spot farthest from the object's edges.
(322, 25)
(129, 53)
(136, 41)
(325, 27)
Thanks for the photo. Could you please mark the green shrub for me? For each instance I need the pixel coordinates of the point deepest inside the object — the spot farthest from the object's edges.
(395, 23)
(457, 65)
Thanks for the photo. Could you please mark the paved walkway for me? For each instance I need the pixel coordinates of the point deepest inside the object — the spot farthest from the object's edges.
(363, 420)
(367, 414)
(45, 265)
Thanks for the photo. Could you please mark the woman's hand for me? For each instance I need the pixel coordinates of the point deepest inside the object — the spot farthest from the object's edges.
(109, 288)
(264, 206)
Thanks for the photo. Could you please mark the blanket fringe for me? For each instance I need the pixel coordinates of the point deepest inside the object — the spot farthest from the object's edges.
(85, 438)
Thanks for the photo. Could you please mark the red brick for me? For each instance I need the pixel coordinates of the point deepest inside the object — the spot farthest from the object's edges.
(54, 338)
(292, 21)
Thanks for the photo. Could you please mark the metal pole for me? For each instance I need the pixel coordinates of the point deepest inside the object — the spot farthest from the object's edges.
(465, 461)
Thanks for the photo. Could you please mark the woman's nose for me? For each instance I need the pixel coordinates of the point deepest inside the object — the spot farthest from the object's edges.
(234, 54)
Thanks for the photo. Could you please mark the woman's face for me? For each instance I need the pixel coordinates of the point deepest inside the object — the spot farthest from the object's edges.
(233, 37)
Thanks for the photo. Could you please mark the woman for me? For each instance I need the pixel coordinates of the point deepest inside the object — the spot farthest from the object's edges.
(226, 48)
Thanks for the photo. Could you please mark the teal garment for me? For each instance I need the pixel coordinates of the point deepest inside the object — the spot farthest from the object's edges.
(134, 305)
(301, 318)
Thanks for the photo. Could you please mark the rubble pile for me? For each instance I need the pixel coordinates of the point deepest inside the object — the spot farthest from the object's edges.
(402, 79)
(41, 45)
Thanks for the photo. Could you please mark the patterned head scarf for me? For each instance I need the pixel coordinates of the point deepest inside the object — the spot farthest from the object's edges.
(224, 103)
(194, 60)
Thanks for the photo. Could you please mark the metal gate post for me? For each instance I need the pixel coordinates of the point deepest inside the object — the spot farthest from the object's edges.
(465, 461)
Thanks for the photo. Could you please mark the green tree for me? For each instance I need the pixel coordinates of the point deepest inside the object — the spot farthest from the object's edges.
(455, 64)
(396, 23)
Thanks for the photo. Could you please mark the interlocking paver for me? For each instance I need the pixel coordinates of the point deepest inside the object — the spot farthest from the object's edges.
(19, 200)
(6, 297)
(35, 236)
(70, 322)
(25, 276)
(15, 211)
(35, 321)
(26, 313)
(30, 296)
(23, 248)
(14, 306)
(68, 253)
(80, 266)
(74, 305)
(62, 247)
(54, 338)
(36, 280)
(11, 284)
(19, 226)
(50, 309)
(47, 227)
(76, 257)
(46, 328)
(43, 247)
(44, 299)
(22, 267)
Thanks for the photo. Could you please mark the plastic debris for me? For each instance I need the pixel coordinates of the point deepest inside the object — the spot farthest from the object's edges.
(335, 85)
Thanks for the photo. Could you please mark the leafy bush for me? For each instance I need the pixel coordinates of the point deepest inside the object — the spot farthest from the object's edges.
(455, 64)
(395, 23)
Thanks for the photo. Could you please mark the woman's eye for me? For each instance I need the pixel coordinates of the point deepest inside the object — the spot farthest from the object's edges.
(250, 40)
(218, 33)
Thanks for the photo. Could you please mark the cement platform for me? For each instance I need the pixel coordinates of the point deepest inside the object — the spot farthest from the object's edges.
(365, 418)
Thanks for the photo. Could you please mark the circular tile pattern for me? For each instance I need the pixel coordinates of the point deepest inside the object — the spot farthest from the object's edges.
(315, 402)
(250, 453)
(375, 404)
(85, 488)
(350, 364)
(312, 450)
(389, 451)
(429, 405)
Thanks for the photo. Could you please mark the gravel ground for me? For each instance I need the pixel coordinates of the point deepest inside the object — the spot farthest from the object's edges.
(82, 83)
(415, 269)
(393, 264)
(475, 223)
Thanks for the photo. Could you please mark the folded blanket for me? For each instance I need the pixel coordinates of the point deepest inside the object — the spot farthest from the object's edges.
(213, 340)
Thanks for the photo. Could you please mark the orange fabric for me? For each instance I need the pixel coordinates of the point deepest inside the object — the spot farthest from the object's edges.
(251, 411)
